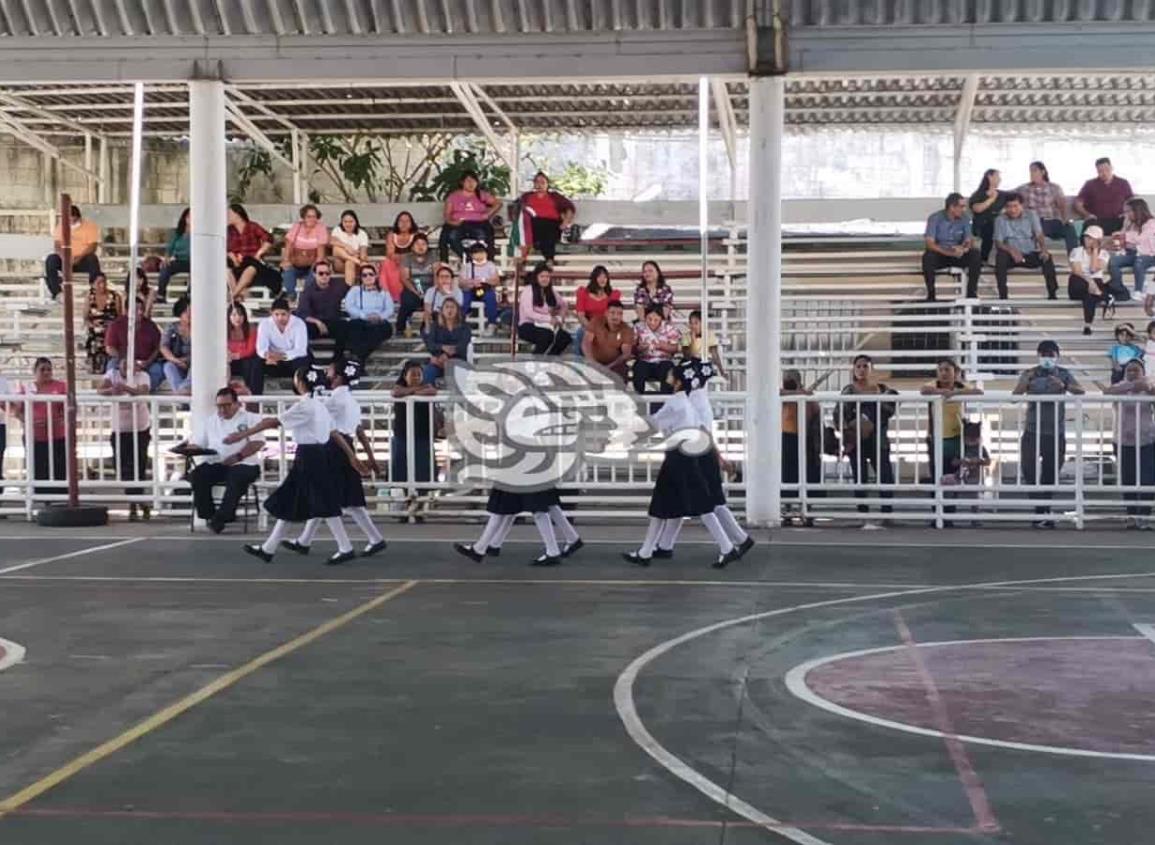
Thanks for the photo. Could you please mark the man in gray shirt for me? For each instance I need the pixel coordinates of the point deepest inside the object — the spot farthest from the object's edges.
(1021, 243)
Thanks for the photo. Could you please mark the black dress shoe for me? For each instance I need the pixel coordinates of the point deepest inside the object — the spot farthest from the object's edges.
(635, 558)
(745, 546)
(256, 551)
(572, 547)
(546, 560)
(468, 551)
(726, 559)
(663, 554)
(375, 548)
(294, 546)
(341, 557)
(493, 551)
(216, 526)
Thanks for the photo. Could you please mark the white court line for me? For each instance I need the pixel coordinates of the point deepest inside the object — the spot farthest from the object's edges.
(13, 654)
(796, 684)
(68, 555)
(1146, 630)
(628, 711)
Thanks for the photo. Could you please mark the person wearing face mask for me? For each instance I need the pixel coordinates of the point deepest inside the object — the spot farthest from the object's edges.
(1043, 441)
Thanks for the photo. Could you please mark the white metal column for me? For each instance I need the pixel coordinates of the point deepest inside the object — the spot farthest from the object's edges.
(764, 307)
(208, 200)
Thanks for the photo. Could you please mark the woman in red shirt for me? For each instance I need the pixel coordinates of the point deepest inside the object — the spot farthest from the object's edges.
(243, 359)
(592, 301)
(49, 460)
(549, 211)
(247, 244)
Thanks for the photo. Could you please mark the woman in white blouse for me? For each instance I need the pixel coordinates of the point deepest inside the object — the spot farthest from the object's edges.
(350, 244)
(1089, 270)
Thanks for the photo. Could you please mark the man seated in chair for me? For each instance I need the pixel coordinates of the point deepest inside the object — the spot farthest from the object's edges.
(236, 465)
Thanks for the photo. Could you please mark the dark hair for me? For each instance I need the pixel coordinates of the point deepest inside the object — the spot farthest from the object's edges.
(541, 173)
(239, 210)
(478, 246)
(1014, 196)
(862, 357)
(321, 261)
(348, 212)
(466, 175)
(1048, 347)
(411, 364)
(661, 277)
(39, 362)
(396, 228)
(1103, 160)
(985, 184)
(614, 303)
(182, 222)
(1150, 326)
(443, 268)
(280, 304)
(420, 236)
(591, 286)
(695, 313)
(1043, 168)
(1140, 211)
(975, 428)
(229, 392)
(368, 267)
(305, 209)
(441, 312)
(302, 373)
(656, 309)
(246, 327)
(953, 198)
(180, 306)
(541, 296)
(74, 211)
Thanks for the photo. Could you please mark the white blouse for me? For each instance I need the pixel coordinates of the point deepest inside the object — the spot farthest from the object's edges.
(344, 409)
(308, 421)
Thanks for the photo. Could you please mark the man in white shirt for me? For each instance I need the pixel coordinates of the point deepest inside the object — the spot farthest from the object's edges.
(235, 465)
(282, 341)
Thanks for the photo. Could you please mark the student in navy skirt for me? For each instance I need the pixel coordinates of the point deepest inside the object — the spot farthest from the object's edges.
(312, 487)
(343, 375)
(682, 488)
(504, 506)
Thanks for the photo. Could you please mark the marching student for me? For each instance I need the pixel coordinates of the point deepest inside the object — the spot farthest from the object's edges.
(346, 414)
(504, 506)
(312, 488)
(682, 489)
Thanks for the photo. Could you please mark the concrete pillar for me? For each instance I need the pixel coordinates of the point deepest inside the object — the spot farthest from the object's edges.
(764, 308)
(208, 199)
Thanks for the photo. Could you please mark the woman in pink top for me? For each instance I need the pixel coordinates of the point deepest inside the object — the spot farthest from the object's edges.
(48, 432)
(541, 314)
(1138, 244)
(305, 245)
(592, 301)
(468, 212)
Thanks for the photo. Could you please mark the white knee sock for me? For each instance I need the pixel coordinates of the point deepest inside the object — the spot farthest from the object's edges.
(545, 529)
(730, 525)
(309, 532)
(653, 532)
(337, 529)
(670, 533)
(568, 532)
(491, 530)
(715, 529)
(503, 531)
(361, 517)
(280, 529)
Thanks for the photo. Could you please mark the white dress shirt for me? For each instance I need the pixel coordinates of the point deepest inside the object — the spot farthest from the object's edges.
(293, 342)
(308, 422)
(214, 429)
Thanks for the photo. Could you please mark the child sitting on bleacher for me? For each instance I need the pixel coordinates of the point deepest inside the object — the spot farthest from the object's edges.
(481, 279)
(1123, 351)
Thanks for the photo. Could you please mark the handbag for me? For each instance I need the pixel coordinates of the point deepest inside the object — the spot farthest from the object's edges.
(830, 443)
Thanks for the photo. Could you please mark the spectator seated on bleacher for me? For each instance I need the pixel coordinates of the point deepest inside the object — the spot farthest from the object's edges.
(369, 310)
(1101, 199)
(609, 340)
(541, 314)
(700, 344)
(85, 239)
(244, 362)
(658, 341)
(444, 288)
(468, 214)
(592, 302)
(1021, 243)
(949, 243)
(1047, 200)
(235, 465)
(481, 279)
(399, 238)
(1137, 242)
(305, 244)
(653, 290)
(177, 255)
(282, 343)
(176, 350)
(320, 306)
(146, 346)
(986, 204)
(350, 246)
(248, 243)
(104, 306)
(446, 338)
(416, 278)
(131, 430)
(147, 292)
(1089, 265)
(549, 213)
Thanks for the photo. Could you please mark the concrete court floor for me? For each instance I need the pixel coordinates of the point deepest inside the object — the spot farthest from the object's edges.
(477, 705)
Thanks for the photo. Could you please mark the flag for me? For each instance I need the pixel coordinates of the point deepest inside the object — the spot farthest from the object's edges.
(520, 234)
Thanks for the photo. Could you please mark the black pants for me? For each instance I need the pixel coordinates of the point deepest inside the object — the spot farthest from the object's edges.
(1086, 292)
(338, 331)
(285, 369)
(546, 234)
(236, 478)
(1060, 230)
(267, 277)
(1145, 474)
(1041, 448)
(409, 305)
(1109, 225)
(452, 237)
(132, 459)
(545, 341)
(167, 271)
(54, 266)
(985, 231)
(972, 262)
(868, 454)
(49, 461)
(790, 464)
(3, 446)
(1004, 262)
(652, 371)
(251, 371)
(363, 338)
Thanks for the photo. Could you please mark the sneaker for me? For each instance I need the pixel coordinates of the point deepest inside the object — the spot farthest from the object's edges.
(256, 551)
(726, 559)
(546, 560)
(872, 526)
(467, 550)
(572, 547)
(663, 554)
(294, 546)
(374, 548)
(635, 558)
(341, 557)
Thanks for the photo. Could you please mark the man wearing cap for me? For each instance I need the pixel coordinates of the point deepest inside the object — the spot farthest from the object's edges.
(1044, 437)
(1020, 242)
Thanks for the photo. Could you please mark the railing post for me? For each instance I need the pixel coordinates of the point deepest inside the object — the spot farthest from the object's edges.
(1079, 486)
(411, 447)
(939, 468)
(29, 460)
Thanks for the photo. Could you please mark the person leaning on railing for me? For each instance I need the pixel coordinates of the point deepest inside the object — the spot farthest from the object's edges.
(410, 382)
(49, 460)
(131, 430)
(792, 386)
(948, 384)
(1136, 440)
(865, 434)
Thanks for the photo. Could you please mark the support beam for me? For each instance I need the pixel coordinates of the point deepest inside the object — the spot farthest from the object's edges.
(295, 145)
(258, 137)
(33, 139)
(104, 166)
(764, 294)
(468, 99)
(208, 198)
(962, 123)
(89, 183)
(727, 122)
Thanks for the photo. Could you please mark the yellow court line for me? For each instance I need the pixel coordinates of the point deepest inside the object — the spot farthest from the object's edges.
(163, 717)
